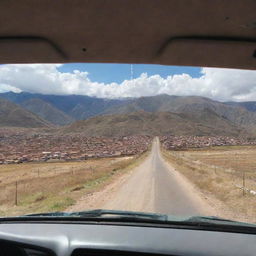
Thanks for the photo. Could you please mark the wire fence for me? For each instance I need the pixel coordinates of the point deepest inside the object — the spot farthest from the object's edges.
(42, 180)
(243, 179)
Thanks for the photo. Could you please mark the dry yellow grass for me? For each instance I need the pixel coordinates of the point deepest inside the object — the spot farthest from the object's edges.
(44, 187)
(217, 172)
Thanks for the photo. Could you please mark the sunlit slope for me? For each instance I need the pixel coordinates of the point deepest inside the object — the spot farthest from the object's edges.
(235, 113)
(206, 122)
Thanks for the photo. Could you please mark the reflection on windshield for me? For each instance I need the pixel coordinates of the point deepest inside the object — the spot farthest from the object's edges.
(148, 151)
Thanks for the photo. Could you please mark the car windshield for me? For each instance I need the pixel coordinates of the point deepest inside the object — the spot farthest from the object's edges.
(151, 139)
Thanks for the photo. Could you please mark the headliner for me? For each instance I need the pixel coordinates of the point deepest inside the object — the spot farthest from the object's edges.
(215, 33)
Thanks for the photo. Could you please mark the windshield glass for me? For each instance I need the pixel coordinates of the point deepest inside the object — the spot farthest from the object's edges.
(164, 140)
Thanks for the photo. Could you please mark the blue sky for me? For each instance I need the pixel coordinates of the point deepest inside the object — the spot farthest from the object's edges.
(108, 73)
(113, 80)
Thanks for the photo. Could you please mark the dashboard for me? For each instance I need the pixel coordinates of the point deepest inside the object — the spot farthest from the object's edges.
(97, 239)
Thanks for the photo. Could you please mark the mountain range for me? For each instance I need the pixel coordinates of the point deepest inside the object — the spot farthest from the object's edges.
(161, 114)
(65, 108)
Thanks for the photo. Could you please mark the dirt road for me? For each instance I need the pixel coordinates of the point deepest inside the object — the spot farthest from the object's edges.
(153, 186)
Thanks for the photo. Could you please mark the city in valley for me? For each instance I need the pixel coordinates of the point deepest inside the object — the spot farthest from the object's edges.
(21, 145)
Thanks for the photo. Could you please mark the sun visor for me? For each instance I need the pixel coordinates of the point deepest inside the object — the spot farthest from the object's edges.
(205, 52)
(29, 50)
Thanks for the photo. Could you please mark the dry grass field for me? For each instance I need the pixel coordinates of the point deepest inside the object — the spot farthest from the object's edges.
(44, 187)
(220, 173)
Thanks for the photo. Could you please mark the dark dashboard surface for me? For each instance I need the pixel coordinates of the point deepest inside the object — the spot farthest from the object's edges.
(97, 239)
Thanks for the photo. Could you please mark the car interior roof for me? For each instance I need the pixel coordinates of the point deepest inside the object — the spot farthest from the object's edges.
(219, 33)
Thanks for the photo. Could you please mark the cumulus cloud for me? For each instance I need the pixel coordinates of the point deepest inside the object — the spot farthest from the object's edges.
(216, 83)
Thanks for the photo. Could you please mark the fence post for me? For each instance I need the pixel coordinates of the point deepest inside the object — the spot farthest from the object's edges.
(16, 193)
(243, 183)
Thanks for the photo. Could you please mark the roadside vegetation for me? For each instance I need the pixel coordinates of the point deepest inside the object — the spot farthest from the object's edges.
(48, 187)
(226, 173)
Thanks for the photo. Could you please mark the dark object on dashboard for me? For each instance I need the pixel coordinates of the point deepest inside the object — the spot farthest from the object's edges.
(7, 249)
(15, 249)
(95, 252)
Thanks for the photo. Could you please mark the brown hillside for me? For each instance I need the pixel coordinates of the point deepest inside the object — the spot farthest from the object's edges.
(12, 115)
(160, 123)
(47, 111)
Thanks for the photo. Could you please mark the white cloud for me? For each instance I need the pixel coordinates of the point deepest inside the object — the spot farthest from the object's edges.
(216, 83)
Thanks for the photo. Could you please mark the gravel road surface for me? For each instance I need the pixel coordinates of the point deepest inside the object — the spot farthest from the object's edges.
(153, 186)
